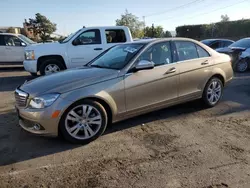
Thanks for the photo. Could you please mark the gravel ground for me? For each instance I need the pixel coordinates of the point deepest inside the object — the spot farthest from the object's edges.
(181, 146)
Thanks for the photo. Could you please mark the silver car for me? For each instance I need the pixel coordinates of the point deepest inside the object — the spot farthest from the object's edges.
(125, 81)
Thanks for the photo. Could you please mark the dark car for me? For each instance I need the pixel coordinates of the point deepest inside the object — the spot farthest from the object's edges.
(240, 54)
(217, 43)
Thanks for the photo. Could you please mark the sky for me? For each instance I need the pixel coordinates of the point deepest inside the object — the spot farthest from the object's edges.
(72, 15)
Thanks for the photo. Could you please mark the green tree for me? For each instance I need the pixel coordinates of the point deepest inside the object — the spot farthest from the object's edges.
(133, 23)
(167, 34)
(41, 26)
(156, 32)
(224, 18)
(11, 30)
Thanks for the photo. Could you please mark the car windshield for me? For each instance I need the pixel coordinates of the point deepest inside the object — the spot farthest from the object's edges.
(70, 36)
(26, 39)
(117, 57)
(243, 43)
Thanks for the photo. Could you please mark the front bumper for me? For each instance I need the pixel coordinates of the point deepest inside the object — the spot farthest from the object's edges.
(30, 65)
(29, 119)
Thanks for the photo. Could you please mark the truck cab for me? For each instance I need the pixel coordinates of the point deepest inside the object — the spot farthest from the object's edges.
(76, 50)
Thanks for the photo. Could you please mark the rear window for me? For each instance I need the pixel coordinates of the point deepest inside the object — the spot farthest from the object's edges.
(115, 36)
(243, 43)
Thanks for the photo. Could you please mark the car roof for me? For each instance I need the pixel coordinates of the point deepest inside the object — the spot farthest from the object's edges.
(13, 34)
(211, 40)
(146, 41)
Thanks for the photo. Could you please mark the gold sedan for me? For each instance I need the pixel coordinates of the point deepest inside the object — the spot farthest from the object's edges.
(125, 81)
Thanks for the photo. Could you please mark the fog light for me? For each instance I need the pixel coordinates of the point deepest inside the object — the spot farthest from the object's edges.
(37, 127)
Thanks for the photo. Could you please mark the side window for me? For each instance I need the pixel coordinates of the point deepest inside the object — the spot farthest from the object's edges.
(1, 41)
(159, 53)
(186, 50)
(215, 45)
(89, 37)
(11, 41)
(115, 36)
(226, 43)
(202, 52)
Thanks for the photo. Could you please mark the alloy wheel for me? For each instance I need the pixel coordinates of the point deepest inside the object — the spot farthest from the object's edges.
(242, 66)
(51, 68)
(83, 122)
(214, 92)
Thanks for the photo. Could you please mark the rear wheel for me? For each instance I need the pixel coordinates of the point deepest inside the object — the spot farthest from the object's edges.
(212, 92)
(51, 66)
(83, 122)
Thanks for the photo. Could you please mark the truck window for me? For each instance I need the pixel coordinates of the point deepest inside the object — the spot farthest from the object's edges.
(92, 36)
(115, 36)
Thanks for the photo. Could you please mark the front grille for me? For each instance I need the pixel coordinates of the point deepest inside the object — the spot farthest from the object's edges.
(21, 98)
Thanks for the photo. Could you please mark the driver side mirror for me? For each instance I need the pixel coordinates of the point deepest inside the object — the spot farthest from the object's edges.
(144, 64)
(76, 42)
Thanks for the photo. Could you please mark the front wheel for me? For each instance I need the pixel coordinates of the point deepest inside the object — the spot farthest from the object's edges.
(51, 66)
(83, 122)
(212, 92)
(241, 65)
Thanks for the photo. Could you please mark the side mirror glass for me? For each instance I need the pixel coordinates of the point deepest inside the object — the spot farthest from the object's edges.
(144, 64)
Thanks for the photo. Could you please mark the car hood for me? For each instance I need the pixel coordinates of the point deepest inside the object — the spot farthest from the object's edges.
(71, 79)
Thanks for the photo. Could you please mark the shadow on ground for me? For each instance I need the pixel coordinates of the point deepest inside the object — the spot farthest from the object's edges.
(17, 145)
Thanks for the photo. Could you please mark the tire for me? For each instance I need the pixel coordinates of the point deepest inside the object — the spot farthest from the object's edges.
(68, 126)
(214, 90)
(241, 65)
(53, 63)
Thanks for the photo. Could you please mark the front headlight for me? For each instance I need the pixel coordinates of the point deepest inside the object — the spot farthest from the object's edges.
(29, 55)
(44, 100)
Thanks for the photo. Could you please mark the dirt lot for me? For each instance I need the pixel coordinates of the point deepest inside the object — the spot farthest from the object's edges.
(182, 146)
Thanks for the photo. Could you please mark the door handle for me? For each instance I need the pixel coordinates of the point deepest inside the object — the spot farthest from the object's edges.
(98, 49)
(171, 70)
(205, 62)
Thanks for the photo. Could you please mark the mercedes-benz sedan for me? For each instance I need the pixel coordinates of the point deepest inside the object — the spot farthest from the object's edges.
(125, 81)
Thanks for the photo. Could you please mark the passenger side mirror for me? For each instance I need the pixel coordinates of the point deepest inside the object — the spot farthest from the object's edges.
(144, 64)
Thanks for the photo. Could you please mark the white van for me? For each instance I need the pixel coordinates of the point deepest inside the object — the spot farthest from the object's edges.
(12, 48)
(76, 50)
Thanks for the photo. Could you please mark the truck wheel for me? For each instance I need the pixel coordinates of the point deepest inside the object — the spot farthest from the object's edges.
(50, 66)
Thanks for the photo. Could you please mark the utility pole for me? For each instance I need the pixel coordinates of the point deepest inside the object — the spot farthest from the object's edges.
(153, 30)
(144, 26)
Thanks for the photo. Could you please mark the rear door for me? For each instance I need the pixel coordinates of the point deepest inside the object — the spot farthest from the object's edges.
(113, 37)
(89, 45)
(195, 67)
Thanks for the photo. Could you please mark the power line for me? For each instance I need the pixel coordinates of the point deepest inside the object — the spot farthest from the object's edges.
(172, 9)
(221, 8)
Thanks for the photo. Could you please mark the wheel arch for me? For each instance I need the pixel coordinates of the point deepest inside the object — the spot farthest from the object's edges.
(43, 58)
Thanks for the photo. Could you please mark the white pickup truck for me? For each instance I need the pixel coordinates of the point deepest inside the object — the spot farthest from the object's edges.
(76, 50)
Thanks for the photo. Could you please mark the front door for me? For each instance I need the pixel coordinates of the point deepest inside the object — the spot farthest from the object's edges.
(194, 66)
(156, 86)
(85, 47)
(14, 51)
